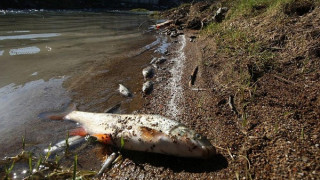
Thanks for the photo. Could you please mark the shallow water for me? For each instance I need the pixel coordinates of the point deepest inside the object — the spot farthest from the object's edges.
(49, 59)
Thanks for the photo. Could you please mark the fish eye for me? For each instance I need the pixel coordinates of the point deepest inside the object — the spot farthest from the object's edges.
(197, 136)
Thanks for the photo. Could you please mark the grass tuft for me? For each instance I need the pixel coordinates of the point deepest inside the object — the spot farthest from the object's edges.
(8, 171)
(75, 167)
(121, 143)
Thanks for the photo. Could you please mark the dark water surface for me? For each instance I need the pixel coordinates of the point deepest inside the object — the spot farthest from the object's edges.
(49, 59)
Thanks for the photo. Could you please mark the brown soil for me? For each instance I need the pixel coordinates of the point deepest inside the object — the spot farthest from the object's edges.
(275, 132)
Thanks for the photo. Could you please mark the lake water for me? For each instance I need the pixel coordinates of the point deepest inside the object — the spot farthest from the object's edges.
(50, 59)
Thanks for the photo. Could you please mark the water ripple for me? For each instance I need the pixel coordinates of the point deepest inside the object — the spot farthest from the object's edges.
(30, 36)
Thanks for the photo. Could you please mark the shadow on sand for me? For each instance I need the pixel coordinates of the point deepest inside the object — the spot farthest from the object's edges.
(178, 164)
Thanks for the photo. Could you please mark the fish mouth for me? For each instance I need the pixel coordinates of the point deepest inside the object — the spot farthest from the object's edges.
(207, 149)
(208, 152)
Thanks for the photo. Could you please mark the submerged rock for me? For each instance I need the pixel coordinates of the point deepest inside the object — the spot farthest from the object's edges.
(147, 87)
(124, 91)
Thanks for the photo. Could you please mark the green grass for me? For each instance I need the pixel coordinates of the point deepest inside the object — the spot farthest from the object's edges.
(252, 8)
(8, 171)
(121, 143)
(75, 167)
(139, 10)
(235, 42)
(40, 167)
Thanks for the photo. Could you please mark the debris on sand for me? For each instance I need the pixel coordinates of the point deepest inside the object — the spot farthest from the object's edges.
(164, 24)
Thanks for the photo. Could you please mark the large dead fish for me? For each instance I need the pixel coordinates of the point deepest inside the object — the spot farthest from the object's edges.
(149, 133)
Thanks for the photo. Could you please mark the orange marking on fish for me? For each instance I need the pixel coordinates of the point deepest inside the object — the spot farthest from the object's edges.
(148, 134)
(104, 138)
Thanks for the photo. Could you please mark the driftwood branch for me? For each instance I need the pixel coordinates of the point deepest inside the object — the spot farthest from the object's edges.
(232, 106)
(283, 79)
(193, 76)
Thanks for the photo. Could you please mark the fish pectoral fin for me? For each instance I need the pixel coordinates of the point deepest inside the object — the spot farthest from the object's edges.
(104, 138)
(78, 132)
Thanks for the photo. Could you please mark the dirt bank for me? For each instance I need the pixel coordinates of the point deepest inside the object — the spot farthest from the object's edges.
(256, 93)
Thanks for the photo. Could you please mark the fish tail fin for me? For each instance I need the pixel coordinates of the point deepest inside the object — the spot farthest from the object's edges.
(58, 115)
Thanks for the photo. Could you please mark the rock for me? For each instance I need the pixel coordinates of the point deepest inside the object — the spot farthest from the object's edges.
(180, 32)
(192, 38)
(147, 87)
(304, 159)
(161, 60)
(124, 91)
(174, 34)
(148, 72)
(220, 14)
(194, 23)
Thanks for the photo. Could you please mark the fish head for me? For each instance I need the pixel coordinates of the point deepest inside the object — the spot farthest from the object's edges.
(191, 143)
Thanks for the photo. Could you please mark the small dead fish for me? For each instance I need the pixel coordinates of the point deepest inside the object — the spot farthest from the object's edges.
(158, 60)
(107, 163)
(124, 91)
(139, 132)
(147, 87)
(72, 141)
(148, 72)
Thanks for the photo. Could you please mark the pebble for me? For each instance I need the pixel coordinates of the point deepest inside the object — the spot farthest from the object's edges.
(304, 159)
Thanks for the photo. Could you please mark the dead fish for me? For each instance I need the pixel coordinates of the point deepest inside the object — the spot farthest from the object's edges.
(148, 72)
(147, 87)
(124, 91)
(158, 60)
(72, 141)
(107, 163)
(144, 132)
